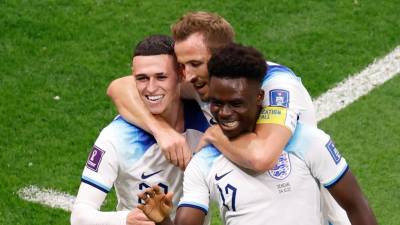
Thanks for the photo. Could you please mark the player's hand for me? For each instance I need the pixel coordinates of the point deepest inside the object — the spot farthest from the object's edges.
(137, 217)
(213, 135)
(174, 147)
(157, 206)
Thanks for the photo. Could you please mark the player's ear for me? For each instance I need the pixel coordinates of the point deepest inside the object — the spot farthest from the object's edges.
(260, 97)
(132, 67)
(180, 72)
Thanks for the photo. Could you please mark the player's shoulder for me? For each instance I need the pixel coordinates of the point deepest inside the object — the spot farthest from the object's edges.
(205, 158)
(306, 137)
(277, 72)
(208, 152)
(207, 155)
(193, 116)
(275, 67)
(121, 126)
(121, 132)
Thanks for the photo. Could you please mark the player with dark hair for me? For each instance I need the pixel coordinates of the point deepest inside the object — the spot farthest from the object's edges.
(128, 158)
(197, 35)
(287, 194)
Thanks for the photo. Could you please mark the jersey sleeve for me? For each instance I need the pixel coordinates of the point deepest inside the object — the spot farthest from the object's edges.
(101, 167)
(195, 188)
(87, 205)
(283, 100)
(325, 161)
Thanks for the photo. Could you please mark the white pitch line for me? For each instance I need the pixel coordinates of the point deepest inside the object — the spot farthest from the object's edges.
(335, 99)
(47, 197)
(352, 88)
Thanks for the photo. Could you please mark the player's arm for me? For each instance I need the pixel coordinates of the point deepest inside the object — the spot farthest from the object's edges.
(98, 176)
(331, 169)
(126, 98)
(257, 151)
(348, 194)
(86, 210)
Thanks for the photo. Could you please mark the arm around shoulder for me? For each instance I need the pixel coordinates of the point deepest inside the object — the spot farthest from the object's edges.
(256, 151)
(125, 96)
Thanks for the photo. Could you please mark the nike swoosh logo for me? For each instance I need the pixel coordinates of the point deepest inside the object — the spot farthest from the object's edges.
(220, 177)
(149, 175)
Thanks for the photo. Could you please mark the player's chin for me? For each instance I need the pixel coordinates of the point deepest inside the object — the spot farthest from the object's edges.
(231, 133)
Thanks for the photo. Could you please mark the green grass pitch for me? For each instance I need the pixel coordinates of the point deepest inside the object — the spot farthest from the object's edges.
(73, 49)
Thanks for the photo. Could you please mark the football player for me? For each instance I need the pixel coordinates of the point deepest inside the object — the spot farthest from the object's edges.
(287, 194)
(128, 158)
(286, 102)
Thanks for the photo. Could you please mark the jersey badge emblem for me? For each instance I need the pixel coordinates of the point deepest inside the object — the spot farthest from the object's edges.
(94, 159)
(278, 97)
(282, 168)
(333, 151)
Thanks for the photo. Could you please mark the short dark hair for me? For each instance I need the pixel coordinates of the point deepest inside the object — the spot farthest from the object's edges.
(237, 61)
(155, 45)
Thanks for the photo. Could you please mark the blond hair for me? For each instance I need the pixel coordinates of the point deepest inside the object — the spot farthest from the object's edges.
(217, 32)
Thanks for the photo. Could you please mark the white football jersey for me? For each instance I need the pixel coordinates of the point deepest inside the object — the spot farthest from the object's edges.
(287, 102)
(288, 194)
(128, 158)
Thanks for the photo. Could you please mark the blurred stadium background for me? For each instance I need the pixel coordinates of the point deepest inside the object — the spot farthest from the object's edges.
(57, 58)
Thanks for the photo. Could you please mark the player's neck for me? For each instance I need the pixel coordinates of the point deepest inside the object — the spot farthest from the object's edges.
(174, 116)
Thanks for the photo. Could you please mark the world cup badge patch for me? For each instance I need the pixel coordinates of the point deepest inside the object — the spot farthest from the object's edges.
(282, 168)
(333, 152)
(94, 159)
(278, 97)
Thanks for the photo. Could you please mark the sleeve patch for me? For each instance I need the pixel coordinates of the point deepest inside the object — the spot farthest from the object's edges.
(278, 97)
(273, 114)
(94, 159)
(333, 151)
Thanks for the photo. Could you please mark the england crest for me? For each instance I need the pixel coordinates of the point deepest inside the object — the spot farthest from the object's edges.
(282, 168)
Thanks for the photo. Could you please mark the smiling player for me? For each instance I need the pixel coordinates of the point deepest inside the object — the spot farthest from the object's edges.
(289, 193)
(127, 157)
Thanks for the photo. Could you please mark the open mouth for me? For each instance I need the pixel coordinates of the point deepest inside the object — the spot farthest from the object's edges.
(154, 98)
(199, 85)
(229, 125)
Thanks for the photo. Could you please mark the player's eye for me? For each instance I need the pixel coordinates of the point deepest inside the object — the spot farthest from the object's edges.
(161, 77)
(215, 103)
(141, 77)
(236, 104)
(196, 64)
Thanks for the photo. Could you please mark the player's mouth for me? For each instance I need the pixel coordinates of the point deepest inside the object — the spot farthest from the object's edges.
(201, 87)
(154, 98)
(199, 84)
(229, 125)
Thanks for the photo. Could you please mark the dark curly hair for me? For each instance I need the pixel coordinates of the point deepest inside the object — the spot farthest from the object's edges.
(155, 45)
(237, 61)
